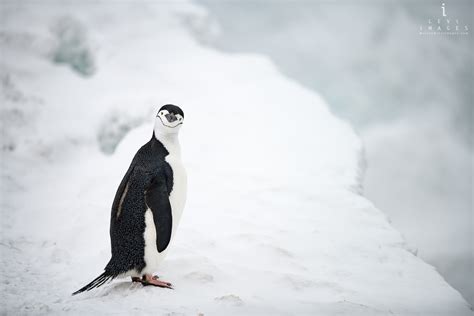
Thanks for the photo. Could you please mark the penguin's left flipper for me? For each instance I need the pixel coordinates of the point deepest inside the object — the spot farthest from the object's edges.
(157, 199)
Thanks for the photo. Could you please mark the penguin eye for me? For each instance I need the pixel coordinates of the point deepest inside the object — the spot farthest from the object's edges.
(161, 113)
(180, 119)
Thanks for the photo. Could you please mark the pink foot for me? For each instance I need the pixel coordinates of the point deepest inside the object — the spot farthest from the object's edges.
(148, 279)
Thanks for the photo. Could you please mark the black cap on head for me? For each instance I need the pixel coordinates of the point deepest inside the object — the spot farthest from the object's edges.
(171, 108)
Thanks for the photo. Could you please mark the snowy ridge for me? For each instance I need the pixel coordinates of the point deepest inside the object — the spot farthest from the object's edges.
(272, 225)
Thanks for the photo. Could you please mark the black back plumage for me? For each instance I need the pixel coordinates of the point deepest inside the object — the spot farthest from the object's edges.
(147, 183)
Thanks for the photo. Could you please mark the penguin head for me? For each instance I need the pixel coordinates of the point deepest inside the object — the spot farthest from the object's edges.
(169, 119)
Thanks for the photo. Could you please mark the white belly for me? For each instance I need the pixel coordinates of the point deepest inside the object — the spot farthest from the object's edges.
(177, 200)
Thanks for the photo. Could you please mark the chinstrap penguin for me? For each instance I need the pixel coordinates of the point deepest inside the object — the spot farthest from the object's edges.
(147, 206)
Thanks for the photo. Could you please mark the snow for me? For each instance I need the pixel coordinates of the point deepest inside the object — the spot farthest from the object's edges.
(274, 222)
(355, 55)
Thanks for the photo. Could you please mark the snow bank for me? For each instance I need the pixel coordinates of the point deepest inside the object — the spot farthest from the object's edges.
(433, 153)
(273, 223)
(368, 76)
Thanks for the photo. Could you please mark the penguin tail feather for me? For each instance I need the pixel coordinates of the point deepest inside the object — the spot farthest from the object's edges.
(100, 280)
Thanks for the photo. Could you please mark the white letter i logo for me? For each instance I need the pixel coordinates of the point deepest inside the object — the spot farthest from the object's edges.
(444, 9)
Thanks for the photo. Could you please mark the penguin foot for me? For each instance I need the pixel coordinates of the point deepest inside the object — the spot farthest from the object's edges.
(149, 279)
(138, 279)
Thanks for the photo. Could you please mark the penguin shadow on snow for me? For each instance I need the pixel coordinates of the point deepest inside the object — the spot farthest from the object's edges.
(114, 288)
(124, 288)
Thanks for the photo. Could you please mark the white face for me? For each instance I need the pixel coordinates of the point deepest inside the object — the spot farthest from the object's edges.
(168, 123)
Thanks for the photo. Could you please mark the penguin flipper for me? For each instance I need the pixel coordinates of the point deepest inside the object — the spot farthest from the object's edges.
(121, 192)
(157, 199)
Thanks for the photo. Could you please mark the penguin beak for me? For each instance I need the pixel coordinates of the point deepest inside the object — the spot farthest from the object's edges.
(171, 117)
